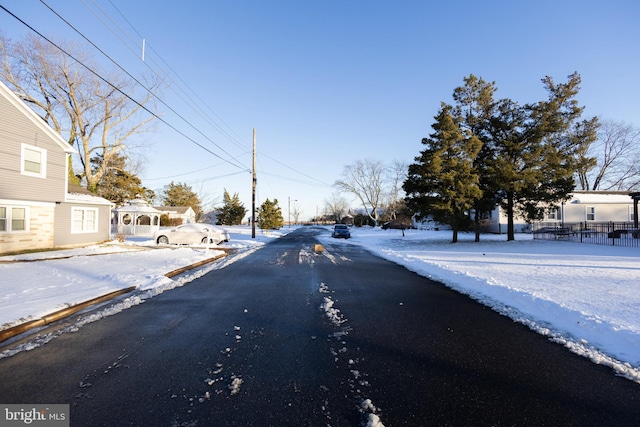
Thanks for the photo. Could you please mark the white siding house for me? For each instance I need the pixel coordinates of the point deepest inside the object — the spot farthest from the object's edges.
(582, 207)
(594, 206)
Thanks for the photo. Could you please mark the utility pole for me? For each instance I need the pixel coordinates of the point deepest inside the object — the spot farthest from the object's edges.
(253, 188)
(289, 209)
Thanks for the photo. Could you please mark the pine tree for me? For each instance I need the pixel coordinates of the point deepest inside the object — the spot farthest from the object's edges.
(118, 184)
(537, 151)
(232, 212)
(270, 215)
(443, 182)
(530, 154)
(475, 107)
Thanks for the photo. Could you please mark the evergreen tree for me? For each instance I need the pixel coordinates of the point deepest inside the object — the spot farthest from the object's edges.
(537, 151)
(233, 211)
(270, 215)
(118, 184)
(182, 195)
(475, 107)
(443, 182)
(529, 153)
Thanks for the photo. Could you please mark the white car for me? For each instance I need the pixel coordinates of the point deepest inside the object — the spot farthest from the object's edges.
(191, 233)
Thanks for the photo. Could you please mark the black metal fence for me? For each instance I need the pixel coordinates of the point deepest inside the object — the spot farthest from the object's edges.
(600, 233)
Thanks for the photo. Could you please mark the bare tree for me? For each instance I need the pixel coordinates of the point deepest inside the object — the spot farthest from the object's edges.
(617, 151)
(365, 179)
(336, 206)
(86, 110)
(397, 175)
(295, 213)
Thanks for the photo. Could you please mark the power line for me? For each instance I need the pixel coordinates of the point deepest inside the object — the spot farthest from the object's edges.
(316, 181)
(137, 81)
(194, 104)
(189, 173)
(297, 171)
(178, 76)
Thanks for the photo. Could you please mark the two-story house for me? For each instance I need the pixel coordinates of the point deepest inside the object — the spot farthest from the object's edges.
(38, 209)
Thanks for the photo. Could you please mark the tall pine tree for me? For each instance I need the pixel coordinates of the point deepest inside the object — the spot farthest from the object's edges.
(530, 154)
(475, 106)
(443, 182)
(537, 151)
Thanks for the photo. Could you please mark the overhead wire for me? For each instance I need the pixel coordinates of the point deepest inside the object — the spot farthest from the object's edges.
(318, 182)
(190, 101)
(194, 105)
(139, 83)
(297, 171)
(315, 181)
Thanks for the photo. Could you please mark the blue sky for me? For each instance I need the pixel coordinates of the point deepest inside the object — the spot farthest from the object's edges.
(327, 83)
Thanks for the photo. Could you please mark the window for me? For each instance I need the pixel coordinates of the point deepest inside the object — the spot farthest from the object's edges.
(34, 161)
(554, 214)
(591, 213)
(84, 220)
(13, 218)
(631, 217)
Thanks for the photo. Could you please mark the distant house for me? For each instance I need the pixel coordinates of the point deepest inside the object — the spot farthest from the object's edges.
(210, 217)
(178, 214)
(38, 208)
(582, 207)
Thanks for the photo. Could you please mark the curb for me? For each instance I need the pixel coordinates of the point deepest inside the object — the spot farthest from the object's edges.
(11, 332)
(196, 265)
(57, 315)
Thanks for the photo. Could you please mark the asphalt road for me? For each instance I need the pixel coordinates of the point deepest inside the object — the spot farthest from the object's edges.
(292, 337)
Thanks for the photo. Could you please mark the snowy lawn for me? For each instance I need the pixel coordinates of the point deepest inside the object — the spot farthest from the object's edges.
(30, 290)
(586, 297)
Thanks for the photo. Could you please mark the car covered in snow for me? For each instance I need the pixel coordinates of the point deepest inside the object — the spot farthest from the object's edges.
(341, 231)
(190, 234)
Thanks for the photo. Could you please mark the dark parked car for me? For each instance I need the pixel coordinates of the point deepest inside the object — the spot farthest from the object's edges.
(341, 231)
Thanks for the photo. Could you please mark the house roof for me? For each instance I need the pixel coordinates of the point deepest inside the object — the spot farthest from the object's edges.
(176, 209)
(600, 197)
(137, 205)
(78, 194)
(33, 117)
